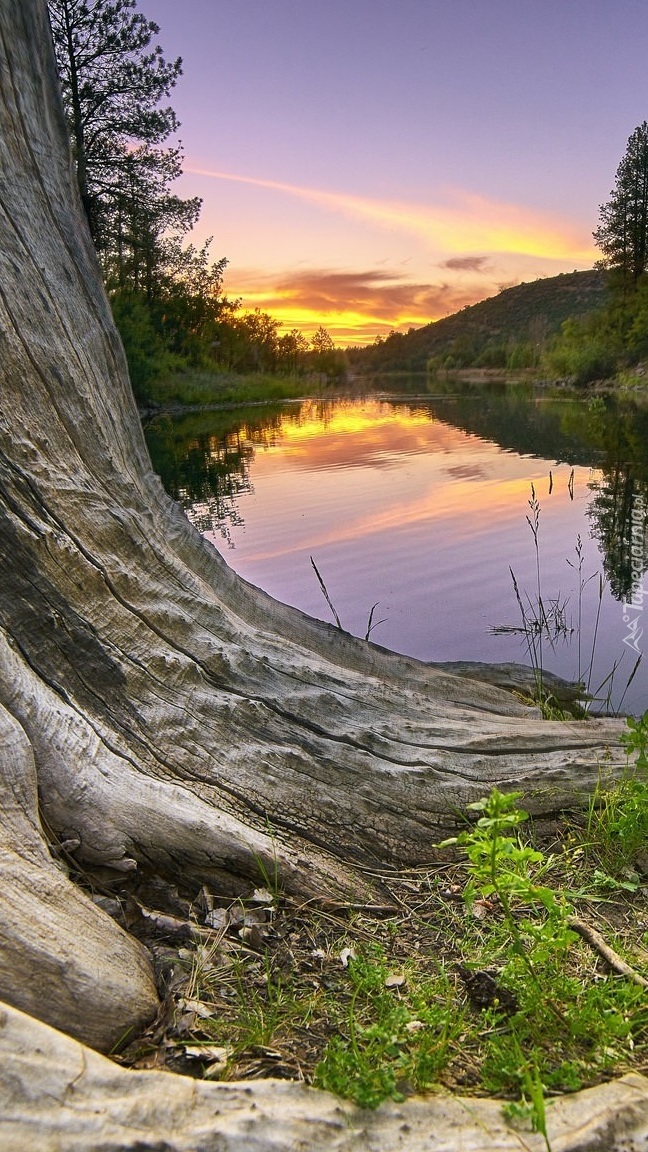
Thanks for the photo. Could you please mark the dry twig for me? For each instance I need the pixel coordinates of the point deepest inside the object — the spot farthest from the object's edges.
(616, 962)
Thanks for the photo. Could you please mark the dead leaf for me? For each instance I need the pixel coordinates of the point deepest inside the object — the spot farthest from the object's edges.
(414, 1026)
(345, 955)
(204, 1011)
(207, 1053)
(261, 896)
(205, 899)
(252, 936)
(160, 922)
(481, 909)
(222, 918)
(257, 916)
(218, 918)
(170, 925)
(394, 980)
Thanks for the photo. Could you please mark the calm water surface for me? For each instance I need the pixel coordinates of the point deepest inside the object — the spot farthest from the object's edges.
(420, 505)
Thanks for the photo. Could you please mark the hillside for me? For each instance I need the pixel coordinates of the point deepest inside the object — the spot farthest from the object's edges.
(485, 334)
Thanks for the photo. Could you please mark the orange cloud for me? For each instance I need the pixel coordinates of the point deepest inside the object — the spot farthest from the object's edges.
(470, 222)
(371, 293)
(351, 305)
(466, 263)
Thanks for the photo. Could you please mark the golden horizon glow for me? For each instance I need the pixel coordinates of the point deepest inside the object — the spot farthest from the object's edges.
(346, 419)
(347, 326)
(344, 326)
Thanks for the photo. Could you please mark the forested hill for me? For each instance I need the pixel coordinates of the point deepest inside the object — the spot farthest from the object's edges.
(509, 329)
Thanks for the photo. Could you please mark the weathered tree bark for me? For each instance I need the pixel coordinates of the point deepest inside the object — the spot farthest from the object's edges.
(100, 1106)
(155, 710)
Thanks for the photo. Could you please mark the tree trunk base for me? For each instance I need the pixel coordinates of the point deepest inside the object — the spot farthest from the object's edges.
(55, 1093)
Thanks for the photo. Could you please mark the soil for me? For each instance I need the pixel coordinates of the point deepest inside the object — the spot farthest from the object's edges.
(216, 955)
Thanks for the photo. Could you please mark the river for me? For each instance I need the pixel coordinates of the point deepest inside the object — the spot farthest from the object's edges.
(435, 508)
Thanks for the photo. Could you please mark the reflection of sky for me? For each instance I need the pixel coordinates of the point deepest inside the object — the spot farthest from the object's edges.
(405, 510)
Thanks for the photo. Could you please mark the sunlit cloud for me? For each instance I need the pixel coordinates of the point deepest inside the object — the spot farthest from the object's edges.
(467, 247)
(466, 223)
(466, 263)
(366, 294)
(351, 305)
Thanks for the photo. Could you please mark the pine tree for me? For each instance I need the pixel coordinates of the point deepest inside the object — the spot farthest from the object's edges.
(113, 80)
(165, 295)
(622, 234)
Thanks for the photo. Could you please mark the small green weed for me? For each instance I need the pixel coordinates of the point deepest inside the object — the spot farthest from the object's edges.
(531, 1106)
(264, 1006)
(617, 818)
(636, 740)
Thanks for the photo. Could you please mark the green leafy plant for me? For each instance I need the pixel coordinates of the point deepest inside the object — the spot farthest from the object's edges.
(636, 739)
(500, 865)
(617, 817)
(484, 982)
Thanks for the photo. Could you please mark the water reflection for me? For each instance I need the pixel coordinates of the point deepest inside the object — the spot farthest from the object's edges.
(204, 462)
(620, 500)
(420, 503)
(604, 432)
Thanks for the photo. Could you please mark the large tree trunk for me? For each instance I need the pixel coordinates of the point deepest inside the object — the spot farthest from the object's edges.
(155, 710)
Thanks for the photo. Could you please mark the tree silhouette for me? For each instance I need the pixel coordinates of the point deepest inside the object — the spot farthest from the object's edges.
(622, 234)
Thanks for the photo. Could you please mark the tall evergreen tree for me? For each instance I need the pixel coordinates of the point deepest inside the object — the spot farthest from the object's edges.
(622, 234)
(113, 79)
(165, 296)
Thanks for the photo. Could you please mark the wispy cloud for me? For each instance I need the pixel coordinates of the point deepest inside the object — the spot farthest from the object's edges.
(466, 263)
(464, 224)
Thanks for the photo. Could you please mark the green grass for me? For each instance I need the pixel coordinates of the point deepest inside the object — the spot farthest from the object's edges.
(189, 388)
(477, 982)
(550, 1023)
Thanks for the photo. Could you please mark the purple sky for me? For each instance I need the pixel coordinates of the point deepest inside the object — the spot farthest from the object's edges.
(389, 162)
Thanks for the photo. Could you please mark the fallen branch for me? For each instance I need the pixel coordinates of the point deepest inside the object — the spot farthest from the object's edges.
(617, 964)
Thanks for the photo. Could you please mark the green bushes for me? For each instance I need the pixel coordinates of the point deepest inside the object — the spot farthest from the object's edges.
(148, 356)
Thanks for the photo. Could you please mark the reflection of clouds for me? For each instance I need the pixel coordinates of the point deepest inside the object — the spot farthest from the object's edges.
(468, 471)
(367, 434)
(465, 510)
(433, 477)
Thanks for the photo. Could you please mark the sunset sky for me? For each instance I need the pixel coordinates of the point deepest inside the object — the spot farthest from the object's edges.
(376, 164)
